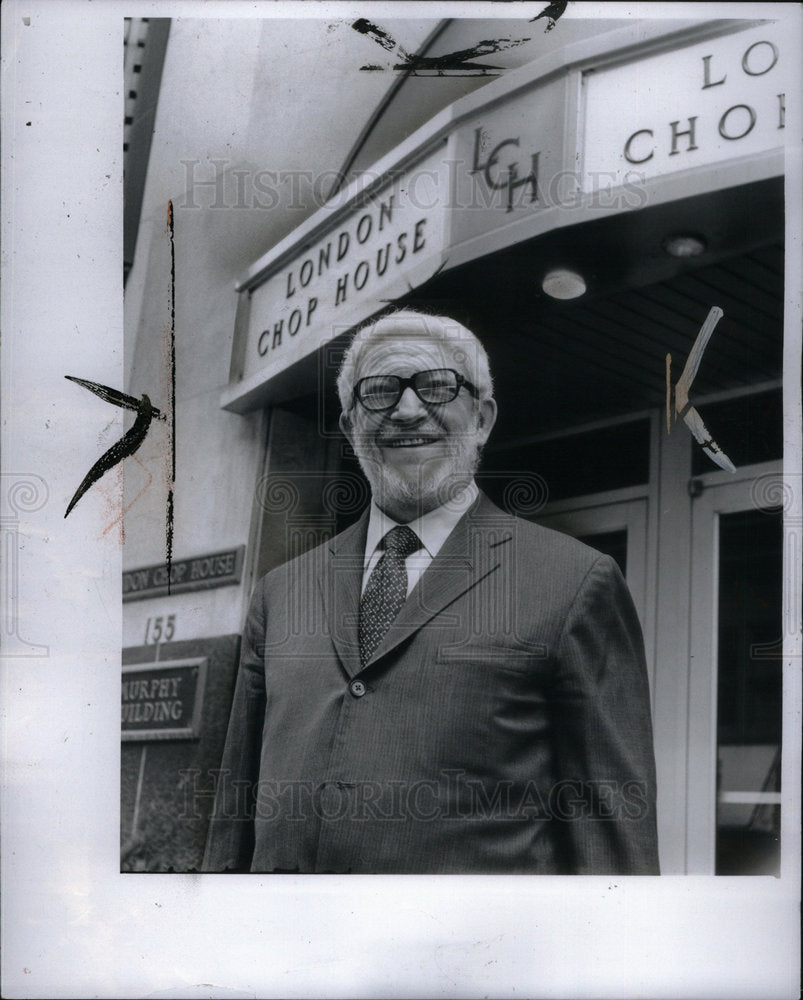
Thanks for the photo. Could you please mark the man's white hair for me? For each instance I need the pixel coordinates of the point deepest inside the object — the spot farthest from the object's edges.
(467, 353)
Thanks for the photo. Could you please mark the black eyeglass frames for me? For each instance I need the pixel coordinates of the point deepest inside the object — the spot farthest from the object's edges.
(433, 387)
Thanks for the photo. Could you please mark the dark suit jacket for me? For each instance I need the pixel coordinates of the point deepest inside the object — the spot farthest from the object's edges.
(502, 725)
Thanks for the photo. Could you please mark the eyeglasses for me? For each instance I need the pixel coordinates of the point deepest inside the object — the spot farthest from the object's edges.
(434, 387)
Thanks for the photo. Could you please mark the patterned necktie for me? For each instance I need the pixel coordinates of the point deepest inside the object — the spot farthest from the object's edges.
(386, 590)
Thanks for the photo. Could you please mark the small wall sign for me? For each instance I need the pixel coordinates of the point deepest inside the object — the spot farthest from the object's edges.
(163, 701)
(214, 569)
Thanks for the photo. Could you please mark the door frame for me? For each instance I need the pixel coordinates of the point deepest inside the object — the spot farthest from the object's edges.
(720, 493)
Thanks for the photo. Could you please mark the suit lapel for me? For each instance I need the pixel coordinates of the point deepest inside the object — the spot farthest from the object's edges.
(340, 589)
(472, 552)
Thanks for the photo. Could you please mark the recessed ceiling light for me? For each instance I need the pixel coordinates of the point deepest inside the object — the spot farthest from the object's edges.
(561, 284)
(684, 245)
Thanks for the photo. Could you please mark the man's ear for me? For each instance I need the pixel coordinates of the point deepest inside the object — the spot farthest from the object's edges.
(486, 418)
(346, 427)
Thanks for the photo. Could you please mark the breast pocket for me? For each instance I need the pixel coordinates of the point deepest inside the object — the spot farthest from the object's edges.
(513, 654)
(491, 703)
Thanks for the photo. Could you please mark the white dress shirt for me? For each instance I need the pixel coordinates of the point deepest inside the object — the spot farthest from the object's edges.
(433, 529)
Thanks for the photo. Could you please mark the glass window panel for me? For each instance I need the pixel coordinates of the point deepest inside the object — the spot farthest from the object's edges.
(749, 429)
(611, 543)
(604, 459)
(749, 692)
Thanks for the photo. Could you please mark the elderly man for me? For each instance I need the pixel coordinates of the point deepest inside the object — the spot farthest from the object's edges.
(442, 687)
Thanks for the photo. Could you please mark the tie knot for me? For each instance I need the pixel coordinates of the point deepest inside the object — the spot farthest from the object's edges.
(401, 541)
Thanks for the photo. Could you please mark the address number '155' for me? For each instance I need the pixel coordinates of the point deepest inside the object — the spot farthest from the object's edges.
(160, 629)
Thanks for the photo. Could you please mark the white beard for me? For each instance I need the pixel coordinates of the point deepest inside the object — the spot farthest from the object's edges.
(433, 483)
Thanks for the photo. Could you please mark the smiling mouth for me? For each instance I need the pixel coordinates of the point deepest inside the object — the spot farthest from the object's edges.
(407, 442)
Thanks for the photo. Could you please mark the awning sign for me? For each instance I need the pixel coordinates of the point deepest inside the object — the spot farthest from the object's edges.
(370, 256)
(691, 107)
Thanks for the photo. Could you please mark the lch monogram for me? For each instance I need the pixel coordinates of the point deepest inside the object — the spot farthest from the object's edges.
(499, 180)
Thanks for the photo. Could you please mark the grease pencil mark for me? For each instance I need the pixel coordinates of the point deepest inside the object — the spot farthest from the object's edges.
(128, 443)
(449, 64)
(172, 422)
(552, 13)
(125, 510)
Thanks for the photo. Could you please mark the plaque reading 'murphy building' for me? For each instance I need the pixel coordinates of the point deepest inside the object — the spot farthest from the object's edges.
(163, 701)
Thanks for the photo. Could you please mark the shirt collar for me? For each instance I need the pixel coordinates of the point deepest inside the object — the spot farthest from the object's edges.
(433, 528)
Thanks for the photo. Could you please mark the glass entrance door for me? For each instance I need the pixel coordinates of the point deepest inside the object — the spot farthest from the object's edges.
(735, 704)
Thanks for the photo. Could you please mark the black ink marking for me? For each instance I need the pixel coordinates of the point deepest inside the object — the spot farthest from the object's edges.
(114, 396)
(451, 63)
(365, 27)
(552, 13)
(169, 517)
(457, 62)
(127, 444)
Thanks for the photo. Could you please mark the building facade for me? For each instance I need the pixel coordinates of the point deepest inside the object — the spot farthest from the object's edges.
(583, 212)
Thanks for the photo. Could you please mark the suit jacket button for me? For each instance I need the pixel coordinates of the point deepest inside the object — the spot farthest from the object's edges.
(357, 688)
